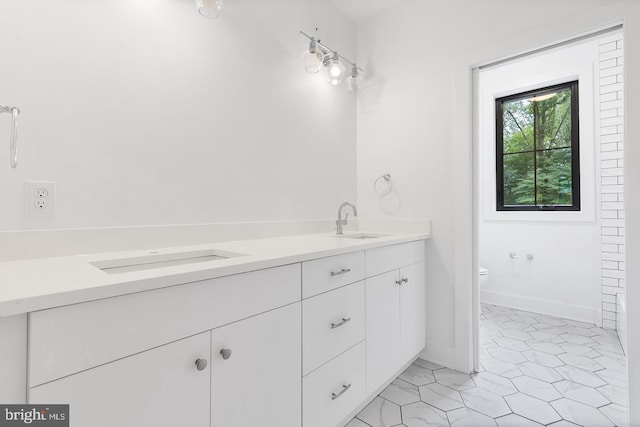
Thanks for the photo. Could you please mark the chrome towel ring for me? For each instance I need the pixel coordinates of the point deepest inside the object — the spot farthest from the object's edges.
(383, 185)
(13, 136)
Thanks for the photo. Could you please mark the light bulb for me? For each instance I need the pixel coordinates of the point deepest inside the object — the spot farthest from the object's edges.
(335, 70)
(312, 58)
(354, 81)
(209, 8)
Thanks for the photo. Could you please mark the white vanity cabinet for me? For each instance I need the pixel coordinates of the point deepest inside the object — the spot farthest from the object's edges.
(70, 339)
(157, 361)
(302, 344)
(243, 374)
(255, 371)
(158, 387)
(396, 310)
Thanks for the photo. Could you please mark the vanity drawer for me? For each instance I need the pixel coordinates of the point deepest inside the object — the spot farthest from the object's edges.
(325, 274)
(387, 258)
(331, 323)
(334, 390)
(66, 340)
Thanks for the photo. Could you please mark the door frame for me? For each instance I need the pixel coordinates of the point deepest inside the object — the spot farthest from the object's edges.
(464, 158)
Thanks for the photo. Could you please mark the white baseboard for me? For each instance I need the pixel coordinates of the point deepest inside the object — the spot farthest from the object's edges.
(542, 306)
(440, 354)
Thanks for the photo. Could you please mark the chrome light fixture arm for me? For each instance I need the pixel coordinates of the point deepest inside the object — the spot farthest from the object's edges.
(13, 136)
(326, 50)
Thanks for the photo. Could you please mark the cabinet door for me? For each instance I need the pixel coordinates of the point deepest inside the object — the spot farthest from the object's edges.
(13, 354)
(382, 328)
(259, 383)
(161, 387)
(412, 310)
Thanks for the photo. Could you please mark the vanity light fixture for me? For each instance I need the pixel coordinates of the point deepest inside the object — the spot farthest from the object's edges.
(209, 8)
(319, 55)
(335, 69)
(312, 57)
(354, 81)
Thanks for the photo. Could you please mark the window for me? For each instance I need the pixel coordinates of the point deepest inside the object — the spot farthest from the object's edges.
(537, 155)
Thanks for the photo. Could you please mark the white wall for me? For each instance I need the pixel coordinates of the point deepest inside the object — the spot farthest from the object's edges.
(415, 122)
(556, 281)
(145, 113)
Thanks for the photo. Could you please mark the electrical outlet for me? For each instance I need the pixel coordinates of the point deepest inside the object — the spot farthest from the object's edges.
(41, 193)
(40, 204)
(40, 198)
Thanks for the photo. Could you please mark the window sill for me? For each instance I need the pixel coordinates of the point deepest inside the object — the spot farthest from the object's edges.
(540, 216)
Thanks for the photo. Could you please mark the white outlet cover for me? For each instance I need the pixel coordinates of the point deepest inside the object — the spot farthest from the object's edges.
(40, 199)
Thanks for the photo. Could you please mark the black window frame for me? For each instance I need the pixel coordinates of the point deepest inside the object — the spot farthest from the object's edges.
(575, 150)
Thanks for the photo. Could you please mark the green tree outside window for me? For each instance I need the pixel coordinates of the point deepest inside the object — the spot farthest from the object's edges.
(537, 149)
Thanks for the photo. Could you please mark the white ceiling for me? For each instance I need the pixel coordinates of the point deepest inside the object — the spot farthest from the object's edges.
(360, 10)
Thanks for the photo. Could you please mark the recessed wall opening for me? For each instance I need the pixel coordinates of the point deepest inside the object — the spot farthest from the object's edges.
(550, 302)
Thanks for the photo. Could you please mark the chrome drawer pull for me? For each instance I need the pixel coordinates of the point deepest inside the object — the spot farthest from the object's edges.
(337, 325)
(337, 273)
(334, 396)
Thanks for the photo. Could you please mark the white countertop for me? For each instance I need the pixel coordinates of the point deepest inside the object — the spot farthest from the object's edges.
(38, 284)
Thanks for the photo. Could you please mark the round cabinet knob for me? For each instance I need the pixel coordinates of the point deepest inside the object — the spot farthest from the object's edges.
(398, 282)
(405, 280)
(201, 364)
(225, 353)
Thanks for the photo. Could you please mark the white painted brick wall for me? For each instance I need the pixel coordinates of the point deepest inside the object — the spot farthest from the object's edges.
(611, 132)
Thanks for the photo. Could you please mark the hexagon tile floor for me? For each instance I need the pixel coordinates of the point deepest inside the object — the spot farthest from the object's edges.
(536, 370)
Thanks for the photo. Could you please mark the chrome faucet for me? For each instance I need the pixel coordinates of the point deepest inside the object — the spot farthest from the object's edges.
(342, 222)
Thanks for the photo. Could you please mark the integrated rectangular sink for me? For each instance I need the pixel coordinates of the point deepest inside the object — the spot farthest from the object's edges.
(160, 260)
(361, 236)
